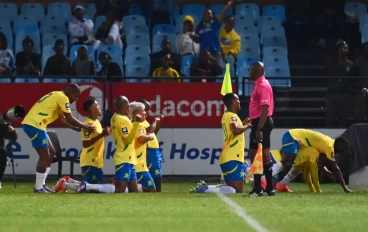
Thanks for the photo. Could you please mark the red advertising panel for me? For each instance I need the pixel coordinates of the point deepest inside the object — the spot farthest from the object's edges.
(184, 105)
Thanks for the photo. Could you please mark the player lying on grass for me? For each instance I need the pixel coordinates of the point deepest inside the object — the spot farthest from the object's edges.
(45, 111)
(296, 139)
(154, 152)
(232, 155)
(92, 154)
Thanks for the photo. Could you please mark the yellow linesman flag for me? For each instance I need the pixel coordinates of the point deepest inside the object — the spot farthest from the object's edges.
(257, 165)
(226, 82)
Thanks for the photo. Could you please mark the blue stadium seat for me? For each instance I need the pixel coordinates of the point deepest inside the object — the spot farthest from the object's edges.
(25, 24)
(47, 51)
(363, 19)
(276, 61)
(6, 29)
(132, 20)
(60, 9)
(223, 65)
(54, 80)
(74, 50)
(53, 27)
(248, 50)
(135, 9)
(138, 60)
(176, 12)
(272, 31)
(19, 42)
(98, 21)
(275, 10)
(5, 80)
(136, 71)
(179, 22)
(139, 29)
(275, 41)
(355, 8)
(157, 39)
(217, 9)
(50, 39)
(89, 10)
(35, 10)
(364, 33)
(26, 80)
(248, 84)
(243, 20)
(246, 61)
(163, 28)
(8, 10)
(138, 39)
(194, 9)
(279, 72)
(249, 10)
(268, 20)
(274, 51)
(112, 50)
(137, 50)
(186, 62)
(250, 40)
(244, 30)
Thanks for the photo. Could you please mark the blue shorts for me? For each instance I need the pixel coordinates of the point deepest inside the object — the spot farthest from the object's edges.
(125, 172)
(289, 145)
(39, 138)
(92, 175)
(154, 162)
(145, 179)
(233, 171)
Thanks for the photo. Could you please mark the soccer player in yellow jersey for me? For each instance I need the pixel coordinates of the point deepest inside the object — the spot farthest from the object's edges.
(45, 111)
(154, 152)
(296, 139)
(144, 178)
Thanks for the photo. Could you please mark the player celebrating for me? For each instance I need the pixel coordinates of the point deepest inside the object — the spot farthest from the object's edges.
(296, 139)
(144, 178)
(45, 111)
(92, 155)
(154, 152)
(124, 157)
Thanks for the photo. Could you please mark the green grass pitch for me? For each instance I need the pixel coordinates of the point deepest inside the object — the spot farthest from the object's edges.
(176, 210)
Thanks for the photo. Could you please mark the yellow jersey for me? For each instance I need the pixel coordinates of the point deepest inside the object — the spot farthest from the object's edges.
(230, 42)
(308, 138)
(47, 110)
(276, 156)
(233, 149)
(121, 127)
(93, 155)
(152, 143)
(170, 72)
(306, 155)
(140, 150)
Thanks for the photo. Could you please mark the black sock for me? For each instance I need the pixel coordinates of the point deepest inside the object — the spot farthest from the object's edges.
(267, 171)
(257, 183)
(3, 160)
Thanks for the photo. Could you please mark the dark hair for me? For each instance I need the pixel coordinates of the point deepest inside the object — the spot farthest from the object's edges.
(104, 54)
(28, 40)
(228, 99)
(59, 42)
(228, 17)
(88, 103)
(4, 41)
(341, 145)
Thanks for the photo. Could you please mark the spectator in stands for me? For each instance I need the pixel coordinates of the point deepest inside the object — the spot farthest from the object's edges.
(109, 32)
(6, 57)
(229, 39)
(205, 66)
(361, 103)
(339, 90)
(80, 29)
(83, 65)
(184, 44)
(58, 64)
(119, 7)
(111, 70)
(166, 71)
(156, 58)
(208, 31)
(28, 62)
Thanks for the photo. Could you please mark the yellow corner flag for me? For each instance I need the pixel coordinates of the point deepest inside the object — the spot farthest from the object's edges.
(257, 165)
(226, 82)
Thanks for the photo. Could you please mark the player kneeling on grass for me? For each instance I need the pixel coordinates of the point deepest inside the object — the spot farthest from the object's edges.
(92, 155)
(144, 179)
(232, 155)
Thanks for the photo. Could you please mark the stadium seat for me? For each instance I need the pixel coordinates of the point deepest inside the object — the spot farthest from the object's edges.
(157, 39)
(179, 22)
(186, 62)
(135, 9)
(47, 51)
(19, 42)
(248, 84)
(217, 9)
(275, 10)
(54, 80)
(363, 19)
(279, 72)
(60, 9)
(268, 20)
(246, 61)
(138, 60)
(223, 65)
(5, 80)
(136, 71)
(355, 9)
(74, 50)
(26, 80)
(112, 50)
(132, 20)
(249, 10)
(242, 20)
(250, 40)
(139, 29)
(35, 10)
(138, 39)
(194, 9)
(25, 24)
(249, 50)
(137, 50)
(50, 39)
(275, 41)
(272, 31)
(274, 51)
(6, 29)
(176, 12)
(276, 61)
(8, 11)
(98, 21)
(163, 28)
(89, 10)
(244, 30)
(54, 27)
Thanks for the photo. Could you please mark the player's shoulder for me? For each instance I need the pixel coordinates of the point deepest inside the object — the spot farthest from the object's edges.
(146, 124)
(230, 117)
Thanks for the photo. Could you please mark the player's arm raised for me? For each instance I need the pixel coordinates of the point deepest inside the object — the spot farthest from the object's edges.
(106, 132)
(237, 130)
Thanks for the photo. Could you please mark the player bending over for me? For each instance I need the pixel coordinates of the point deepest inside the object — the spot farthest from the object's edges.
(144, 179)
(45, 111)
(92, 155)
(154, 152)
(296, 139)
(232, 155)
(125, 157)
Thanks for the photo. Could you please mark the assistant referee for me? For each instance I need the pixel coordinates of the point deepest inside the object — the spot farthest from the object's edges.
(260, 111)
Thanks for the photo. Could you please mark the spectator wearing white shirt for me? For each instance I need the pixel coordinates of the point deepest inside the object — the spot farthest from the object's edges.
(184, 43)
(80, 29)
(109, 32)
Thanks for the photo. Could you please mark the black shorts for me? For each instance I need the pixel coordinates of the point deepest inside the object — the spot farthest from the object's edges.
(267, 128)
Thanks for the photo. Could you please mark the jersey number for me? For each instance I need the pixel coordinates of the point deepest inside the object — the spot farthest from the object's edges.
(225, 131)
(44, 98)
